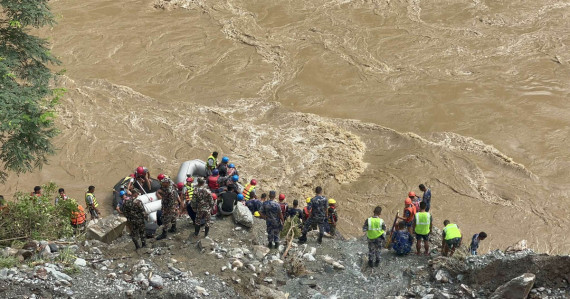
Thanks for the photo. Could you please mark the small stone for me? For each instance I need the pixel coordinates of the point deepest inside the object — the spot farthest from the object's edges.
(107, 263)
(201, 291)
(309, 257)
(112, 275)
(237, 264)
(236, 280)
(80, 262)
(268, 280)
(127, 278)
(130, 293)
(236, 253)
(219, 256)
(120, 265)
(207, 273)
(156, 281)
(95, 250)
(224, 268)
(251, 267)
(238, 228)
(260, 251)
(277, 262)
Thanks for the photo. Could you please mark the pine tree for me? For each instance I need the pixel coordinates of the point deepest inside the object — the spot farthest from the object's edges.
(27, 101)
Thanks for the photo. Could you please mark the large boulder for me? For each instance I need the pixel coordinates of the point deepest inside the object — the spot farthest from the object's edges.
(243, 216)
(516, 288)
(106, 229)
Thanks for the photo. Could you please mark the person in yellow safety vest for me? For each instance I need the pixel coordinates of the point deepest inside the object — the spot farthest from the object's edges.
(211, 163)
(375, 231)
(188, 196)
(91, 203)
(249, 189)
(451, 238)
(422, 228)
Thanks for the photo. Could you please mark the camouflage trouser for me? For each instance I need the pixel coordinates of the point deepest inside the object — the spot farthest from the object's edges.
(273, 230)
(321, 222)
(374, 247)
(168, 217)
(203, 218)
(137, 230)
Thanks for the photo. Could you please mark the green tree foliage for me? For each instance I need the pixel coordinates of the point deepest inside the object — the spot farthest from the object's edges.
(26, 99)
(37, 218)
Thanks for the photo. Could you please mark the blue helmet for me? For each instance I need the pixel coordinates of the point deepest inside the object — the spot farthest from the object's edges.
(240, 197)
(122, 193)
(232, 165)
(215, 172)
(225, 159)
(235, 177)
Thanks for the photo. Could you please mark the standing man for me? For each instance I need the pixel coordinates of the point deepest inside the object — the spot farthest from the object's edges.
(451, 238)
(169, 197)
(271, 212)
(204, 204)
(134, 210)
(318, 215)
(284, 206)
(211, 163)
(422, 228)
(61, 196)
(375, 229)
(188, 196)
(426, 197)
(91, 203)
(475, 242)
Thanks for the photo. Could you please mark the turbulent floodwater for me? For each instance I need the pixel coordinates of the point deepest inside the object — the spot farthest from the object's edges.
(367, 98)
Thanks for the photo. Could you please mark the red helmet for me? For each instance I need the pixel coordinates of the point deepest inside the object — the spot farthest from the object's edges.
(180, 185)
(281, 196)
(132, 175)
(253, 182)
(408, 201)
(160, 176)
(140, 170)
(190, 180)
(214, 196)
(411, 194)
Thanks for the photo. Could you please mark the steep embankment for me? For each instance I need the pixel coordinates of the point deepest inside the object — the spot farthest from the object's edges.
(233, 263)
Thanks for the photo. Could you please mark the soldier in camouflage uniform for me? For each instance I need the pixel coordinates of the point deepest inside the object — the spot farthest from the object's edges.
(204, 203)
(318, 215)
(134, 210)
(169, 197)
(271, 212)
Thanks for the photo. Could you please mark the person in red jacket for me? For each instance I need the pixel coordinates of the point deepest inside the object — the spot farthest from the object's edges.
(409, 214)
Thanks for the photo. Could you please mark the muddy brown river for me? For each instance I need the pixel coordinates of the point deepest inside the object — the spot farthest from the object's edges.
(367, 98)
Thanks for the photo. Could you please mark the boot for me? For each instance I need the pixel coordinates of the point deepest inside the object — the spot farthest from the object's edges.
(206, 230)
(303, 239)
(270, 245)
(370, 263)
(162, 236)
(277, 245)
(377, 263)
(196, 230)
(137, 246)
(320, 239)
(173, 228)
(143, 243)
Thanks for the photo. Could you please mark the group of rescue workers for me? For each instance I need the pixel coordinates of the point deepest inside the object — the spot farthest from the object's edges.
(219, 193)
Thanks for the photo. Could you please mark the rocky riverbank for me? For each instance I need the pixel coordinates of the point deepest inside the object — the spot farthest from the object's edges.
(233, 262)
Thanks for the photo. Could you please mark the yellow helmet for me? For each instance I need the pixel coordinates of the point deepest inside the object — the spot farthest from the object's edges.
(256, 214)
(308, 199)
(332, 202)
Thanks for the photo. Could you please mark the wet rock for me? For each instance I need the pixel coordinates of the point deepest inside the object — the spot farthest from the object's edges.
(31, 245)
(157, 281)
(80, 262)
(518, 287)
